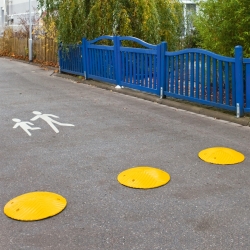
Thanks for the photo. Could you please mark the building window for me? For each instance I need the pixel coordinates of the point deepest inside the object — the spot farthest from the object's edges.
(189, 11)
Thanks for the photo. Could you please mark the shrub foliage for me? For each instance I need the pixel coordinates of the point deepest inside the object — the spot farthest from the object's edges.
(150, 20)
(223, 24)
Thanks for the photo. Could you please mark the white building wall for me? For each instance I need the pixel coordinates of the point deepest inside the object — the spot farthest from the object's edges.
(2, 12)
(189, 7)
(10, 10)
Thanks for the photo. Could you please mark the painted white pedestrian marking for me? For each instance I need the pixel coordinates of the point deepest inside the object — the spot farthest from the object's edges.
(46, 118)
(24, 125)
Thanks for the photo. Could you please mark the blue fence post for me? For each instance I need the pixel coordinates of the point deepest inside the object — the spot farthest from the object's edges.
(117, 45)
(59, 58)
(163, 70)
(238, 51)
(158, 65)
(247, 85)
(85, 57)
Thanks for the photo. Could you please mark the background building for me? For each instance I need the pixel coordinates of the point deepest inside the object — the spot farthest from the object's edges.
(11, 10)
(190, 8)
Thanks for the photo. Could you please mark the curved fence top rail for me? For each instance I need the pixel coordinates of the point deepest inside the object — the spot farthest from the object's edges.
(201, 51)
(137, 40)
(101, 38)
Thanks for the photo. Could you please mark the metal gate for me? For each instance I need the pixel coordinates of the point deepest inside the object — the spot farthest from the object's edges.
(131, 67)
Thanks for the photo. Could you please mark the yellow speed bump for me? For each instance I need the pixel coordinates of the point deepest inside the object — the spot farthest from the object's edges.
(221, 156)
(143, 177)
(35, 206)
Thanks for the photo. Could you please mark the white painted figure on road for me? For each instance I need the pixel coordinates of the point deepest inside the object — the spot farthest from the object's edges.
(47, 118)
(24, 125)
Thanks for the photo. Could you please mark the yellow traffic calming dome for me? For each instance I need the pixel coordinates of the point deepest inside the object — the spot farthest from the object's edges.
(221, 155)
(143, 177)
(35, 206)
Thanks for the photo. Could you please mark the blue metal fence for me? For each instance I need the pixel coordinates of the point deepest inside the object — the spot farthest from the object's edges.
(131, 67)
(246, 71)
(195, 75)
(71, 59)
(200, 76)
(139, 66)
(100, 60)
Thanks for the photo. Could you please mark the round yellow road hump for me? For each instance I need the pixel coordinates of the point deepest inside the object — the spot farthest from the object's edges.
(221, 155)
(143, 177)
(35, 206)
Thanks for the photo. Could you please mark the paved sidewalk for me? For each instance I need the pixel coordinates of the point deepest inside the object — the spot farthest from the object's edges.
(204, 206)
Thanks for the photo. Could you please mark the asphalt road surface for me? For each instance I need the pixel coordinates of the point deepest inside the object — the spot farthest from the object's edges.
(204, 206)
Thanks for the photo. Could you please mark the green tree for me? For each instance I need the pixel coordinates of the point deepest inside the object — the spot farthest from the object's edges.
(138, 18)
(150, 20)
(69, 17)
(223, 24)
(171, 20)
(70, 21)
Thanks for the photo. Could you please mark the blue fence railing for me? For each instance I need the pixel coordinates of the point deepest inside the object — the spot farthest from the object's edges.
(195, 75)
(200, 76)
(100, 60)
(246, 80)
(70, 59)
(139, 66)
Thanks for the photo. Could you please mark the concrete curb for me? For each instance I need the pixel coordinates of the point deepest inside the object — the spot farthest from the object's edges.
(207, 111)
